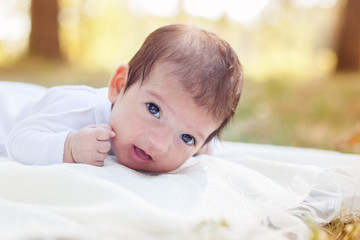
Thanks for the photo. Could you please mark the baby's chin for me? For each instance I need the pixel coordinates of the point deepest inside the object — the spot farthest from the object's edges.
(147, 168)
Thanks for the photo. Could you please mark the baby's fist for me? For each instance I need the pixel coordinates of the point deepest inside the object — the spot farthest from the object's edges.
(89, 145)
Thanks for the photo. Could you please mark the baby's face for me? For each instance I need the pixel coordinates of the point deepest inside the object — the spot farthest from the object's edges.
(158, 126)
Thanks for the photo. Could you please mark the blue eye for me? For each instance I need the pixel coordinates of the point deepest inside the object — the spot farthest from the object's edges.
(153, 109)
(188, 139)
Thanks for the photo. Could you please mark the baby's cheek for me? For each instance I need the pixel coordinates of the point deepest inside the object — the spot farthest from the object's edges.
(184, 157)
(116, 126)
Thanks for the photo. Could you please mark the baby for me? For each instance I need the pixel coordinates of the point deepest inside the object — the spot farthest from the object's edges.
(176, 94)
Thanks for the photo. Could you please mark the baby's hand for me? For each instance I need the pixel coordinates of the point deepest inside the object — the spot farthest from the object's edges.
(89, 145)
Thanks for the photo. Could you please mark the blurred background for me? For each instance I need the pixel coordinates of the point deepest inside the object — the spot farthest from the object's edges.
(301, 57)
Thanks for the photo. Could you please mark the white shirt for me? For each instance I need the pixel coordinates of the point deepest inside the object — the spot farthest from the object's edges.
(39, 138)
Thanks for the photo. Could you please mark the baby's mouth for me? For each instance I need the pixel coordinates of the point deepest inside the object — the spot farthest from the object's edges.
(139, 155)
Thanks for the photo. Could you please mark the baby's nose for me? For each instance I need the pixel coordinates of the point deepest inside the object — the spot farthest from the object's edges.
(160, 139)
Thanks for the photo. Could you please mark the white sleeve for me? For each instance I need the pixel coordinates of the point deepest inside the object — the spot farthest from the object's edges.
(35, 142)
(39, 139)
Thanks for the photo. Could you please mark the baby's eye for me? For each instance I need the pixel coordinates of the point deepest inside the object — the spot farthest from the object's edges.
(153, 109)
(188, 139)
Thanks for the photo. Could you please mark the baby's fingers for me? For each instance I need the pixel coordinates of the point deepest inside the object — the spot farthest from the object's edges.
(103, 146)
(98, 163)
(99, 159)
(108, 128)
(103, 134)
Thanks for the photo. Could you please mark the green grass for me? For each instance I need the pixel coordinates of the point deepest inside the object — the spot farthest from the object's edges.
(48, 74)
(321, 113)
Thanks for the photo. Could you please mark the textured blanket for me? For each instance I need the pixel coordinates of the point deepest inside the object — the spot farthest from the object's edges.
(244, 191)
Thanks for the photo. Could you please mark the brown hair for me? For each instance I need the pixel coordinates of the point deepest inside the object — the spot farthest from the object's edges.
(206, 65)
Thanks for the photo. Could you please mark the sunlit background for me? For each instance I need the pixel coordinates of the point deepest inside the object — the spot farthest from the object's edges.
(271, 37)
(295, 93)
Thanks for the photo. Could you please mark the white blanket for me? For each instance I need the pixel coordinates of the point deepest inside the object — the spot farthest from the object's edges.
(244, 191)
(232, 195)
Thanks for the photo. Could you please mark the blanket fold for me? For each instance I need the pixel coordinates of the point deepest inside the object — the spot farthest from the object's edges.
(209, 197)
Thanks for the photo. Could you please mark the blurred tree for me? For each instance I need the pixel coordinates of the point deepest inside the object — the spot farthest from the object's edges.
(348, 45)
(44, 36)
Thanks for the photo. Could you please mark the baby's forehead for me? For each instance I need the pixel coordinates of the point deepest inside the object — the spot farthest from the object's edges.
(170, 76)
(167, 74)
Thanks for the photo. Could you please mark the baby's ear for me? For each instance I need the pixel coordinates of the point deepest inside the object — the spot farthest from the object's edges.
(117, 82)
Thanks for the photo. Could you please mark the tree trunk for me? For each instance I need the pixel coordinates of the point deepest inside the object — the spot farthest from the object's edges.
(44, 36)
(348, 45)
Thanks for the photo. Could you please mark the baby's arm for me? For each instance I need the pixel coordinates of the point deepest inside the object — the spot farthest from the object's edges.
(33, 142)
(89, 145)
(39, 139)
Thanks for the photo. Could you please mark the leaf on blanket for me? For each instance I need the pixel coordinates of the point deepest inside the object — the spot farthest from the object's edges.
(350, 141)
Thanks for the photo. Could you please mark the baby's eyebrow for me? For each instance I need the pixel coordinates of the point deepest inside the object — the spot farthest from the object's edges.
(162, 100)
(156, 95)
(201, 136)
